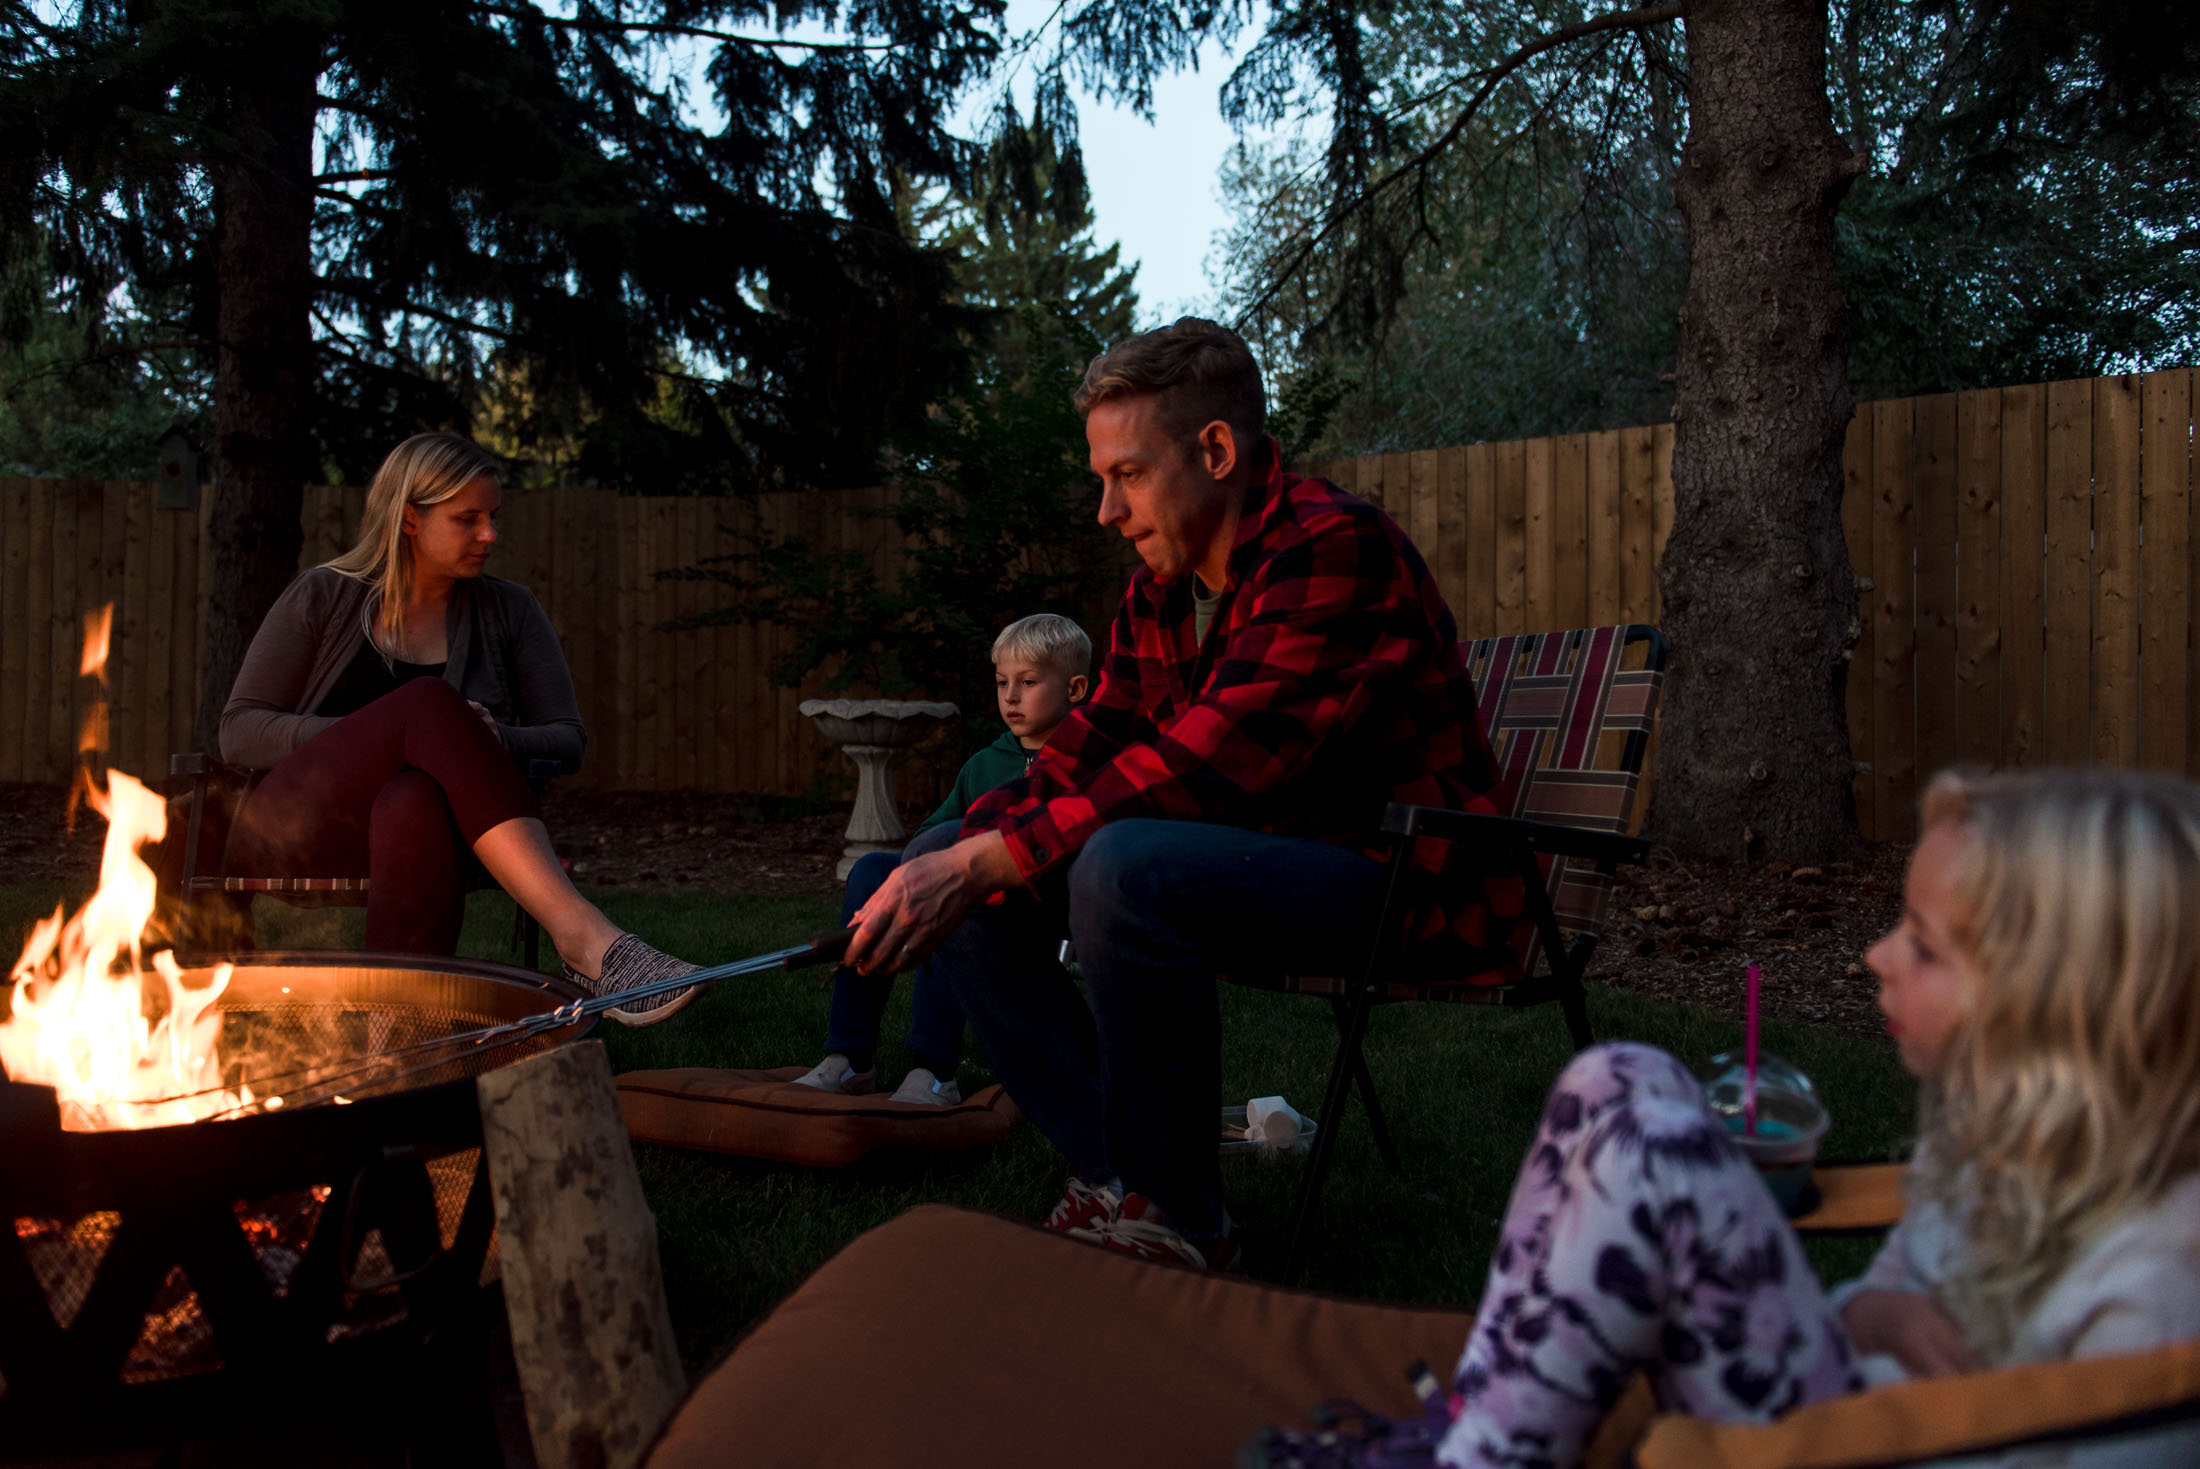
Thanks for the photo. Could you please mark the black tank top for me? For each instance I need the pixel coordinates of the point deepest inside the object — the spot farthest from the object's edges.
(368, 678)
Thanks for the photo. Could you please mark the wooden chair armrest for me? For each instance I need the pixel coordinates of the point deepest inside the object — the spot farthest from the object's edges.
(1405, 821)
(1856, 1196)
(1910, 1422)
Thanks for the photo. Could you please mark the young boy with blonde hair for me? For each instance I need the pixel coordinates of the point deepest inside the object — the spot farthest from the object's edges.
(1041, 669)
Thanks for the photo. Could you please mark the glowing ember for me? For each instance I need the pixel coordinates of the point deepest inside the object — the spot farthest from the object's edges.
(79, 1019)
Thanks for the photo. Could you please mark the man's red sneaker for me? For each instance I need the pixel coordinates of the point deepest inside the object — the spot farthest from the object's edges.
(1084, 1209)
(1139, 1231)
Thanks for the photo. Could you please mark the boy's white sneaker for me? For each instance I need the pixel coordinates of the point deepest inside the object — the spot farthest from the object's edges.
(921, 1086)
(834, 1074)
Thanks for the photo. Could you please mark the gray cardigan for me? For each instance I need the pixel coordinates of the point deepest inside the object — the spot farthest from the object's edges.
(503, 655)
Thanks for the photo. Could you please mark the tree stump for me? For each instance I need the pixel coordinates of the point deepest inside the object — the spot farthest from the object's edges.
(591, 1333)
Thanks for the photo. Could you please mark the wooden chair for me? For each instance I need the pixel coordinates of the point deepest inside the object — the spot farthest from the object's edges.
(209, 902)
(1569, 722)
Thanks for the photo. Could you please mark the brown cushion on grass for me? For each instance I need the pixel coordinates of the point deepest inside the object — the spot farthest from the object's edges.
(757, 1114)
(1929, 1420)
(1856, 1196)
(952, 1337)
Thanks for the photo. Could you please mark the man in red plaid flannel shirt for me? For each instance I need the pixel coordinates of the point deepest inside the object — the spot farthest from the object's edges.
(1281, 667)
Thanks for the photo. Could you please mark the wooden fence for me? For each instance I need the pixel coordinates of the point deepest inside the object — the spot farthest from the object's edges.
(2028, 554)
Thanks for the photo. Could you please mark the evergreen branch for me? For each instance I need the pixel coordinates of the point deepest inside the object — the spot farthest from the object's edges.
(419, 308)
(117, 352)
(1416, 167)
(356, 176)
(669, 28)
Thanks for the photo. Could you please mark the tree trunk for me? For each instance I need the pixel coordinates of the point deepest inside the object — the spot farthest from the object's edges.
(1759, 597)
(263, 375)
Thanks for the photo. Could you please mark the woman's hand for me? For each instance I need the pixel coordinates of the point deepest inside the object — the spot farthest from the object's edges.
(486, 717)
(1912, 1329)
(922, 901)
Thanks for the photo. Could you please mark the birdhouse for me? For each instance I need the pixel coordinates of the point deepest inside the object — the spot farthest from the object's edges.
(179, 471)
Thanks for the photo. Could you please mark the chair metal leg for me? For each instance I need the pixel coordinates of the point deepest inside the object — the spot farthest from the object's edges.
(1364, 1081)
(1329, 1123)
(1572, 998)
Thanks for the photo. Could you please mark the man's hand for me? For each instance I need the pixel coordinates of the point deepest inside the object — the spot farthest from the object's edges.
(921, 902)
(1912, 1329)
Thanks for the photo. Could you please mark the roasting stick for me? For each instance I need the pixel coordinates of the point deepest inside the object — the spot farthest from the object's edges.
(375, 1067)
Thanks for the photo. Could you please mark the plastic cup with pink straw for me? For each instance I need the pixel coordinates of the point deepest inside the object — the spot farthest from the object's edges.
(1770, 1108)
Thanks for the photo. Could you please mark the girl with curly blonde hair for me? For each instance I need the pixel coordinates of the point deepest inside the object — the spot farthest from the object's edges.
(2044, 987)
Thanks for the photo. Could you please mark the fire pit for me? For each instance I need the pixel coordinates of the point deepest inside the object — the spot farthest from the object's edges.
(144, 1271)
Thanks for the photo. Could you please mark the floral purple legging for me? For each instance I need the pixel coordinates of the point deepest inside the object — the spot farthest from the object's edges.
(1638, 1239)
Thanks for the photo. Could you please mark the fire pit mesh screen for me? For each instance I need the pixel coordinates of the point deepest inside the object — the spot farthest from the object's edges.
(65, 1256)
(335, 1045)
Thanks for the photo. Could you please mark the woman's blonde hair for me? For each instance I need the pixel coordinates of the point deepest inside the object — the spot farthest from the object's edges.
(2070, 1088)
(425, 470)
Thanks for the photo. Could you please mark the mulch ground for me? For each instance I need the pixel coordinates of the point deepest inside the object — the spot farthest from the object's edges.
(1679, 929)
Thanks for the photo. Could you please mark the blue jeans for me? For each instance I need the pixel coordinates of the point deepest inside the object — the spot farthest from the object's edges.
(859, 1000)
(1128, 1083)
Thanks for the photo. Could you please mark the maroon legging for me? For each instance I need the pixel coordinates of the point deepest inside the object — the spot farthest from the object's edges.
(398, 793)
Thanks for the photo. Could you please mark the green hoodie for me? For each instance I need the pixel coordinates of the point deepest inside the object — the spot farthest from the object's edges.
(996, 764)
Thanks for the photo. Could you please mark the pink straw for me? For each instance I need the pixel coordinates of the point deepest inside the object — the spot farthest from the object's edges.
(1749, 1058)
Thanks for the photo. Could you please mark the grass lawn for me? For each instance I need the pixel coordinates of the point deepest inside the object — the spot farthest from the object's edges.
(1463, 1087)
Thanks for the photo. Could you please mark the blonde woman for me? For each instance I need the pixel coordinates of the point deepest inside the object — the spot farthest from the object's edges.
(2044, 985)
(392, 697)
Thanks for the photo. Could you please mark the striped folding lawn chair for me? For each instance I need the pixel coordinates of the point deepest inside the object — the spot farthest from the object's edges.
(1568, 717)
(214, 907)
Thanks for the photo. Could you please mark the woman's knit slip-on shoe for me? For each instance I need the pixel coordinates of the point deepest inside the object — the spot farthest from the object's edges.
(630, 963)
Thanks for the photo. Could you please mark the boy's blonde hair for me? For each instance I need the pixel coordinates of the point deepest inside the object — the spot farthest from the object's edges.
(2070, 1089)
(425, 470)
(1045, 637)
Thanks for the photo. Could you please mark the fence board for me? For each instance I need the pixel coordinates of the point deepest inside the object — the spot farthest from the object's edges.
(113, 548)
(2165, 593)
(136, 748)
(2069, 570)
(1604, 528)
(16, 745)
(1933, 484)
(1856, 528)
(745, 669)
(1638, 525)
(2115, 657)
(675, 649)
(636, 674)
(1511, 581)
(61, 639)
(2023, 574)
(1539, 600)
(1570, 531)
(1421, 474)
(664, 647)
(1894, 552)
(1978, 577)
(1451, 533)
(1482, 540)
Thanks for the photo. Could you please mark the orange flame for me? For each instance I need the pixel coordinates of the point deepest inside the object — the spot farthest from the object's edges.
(77, 1019)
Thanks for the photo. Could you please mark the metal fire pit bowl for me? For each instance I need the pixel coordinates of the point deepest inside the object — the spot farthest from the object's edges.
(174, 1269)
